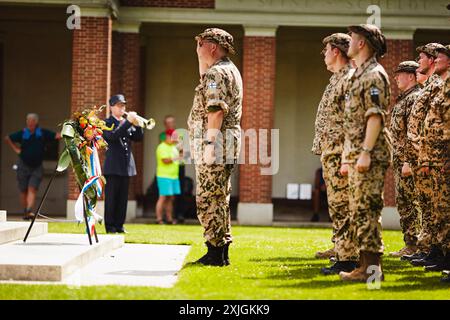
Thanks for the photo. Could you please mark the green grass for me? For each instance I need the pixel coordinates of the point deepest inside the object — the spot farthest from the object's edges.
(267, 263)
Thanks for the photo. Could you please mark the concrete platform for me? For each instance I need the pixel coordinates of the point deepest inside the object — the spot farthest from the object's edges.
(52, 257)
(130, 265)
(2, 216)
(13, 231)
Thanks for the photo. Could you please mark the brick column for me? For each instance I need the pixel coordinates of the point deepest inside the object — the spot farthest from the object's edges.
(255, 190)
(91, 74)
(398, 50)
(126, 79)
(131, 56)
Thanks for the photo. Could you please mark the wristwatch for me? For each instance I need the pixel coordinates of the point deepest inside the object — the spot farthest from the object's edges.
(364, 149)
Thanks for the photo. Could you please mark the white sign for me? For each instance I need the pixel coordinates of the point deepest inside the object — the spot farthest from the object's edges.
(292, 190)
(305, 191)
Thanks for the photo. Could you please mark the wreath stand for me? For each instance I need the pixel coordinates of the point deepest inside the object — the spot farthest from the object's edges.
(40, 207)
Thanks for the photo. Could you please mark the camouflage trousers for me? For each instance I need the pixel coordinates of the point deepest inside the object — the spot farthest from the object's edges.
(407, 204)
(338, 207)
(213, 202)
(424, 186)
(366, 204)
(440, 200)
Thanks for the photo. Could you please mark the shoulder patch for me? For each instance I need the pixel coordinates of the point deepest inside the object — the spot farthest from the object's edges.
(374, 91)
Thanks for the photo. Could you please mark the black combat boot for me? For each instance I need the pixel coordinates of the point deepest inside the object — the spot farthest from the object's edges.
(446, 278)
(434, 257)
(443, 265)
(226, 258)
(417, 255)
(346, 266)
(214, 256)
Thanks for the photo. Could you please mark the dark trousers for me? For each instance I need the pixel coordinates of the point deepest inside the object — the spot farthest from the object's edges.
(116, 201)
(179, 206)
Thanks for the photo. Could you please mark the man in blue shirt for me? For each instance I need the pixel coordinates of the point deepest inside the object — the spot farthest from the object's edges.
(29, 143)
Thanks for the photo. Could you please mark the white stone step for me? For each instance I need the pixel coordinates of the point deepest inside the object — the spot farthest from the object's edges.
(2, 216)
(52, 257)
(12, 231)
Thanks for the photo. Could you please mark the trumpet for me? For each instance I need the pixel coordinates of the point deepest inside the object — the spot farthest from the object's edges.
(144, 123)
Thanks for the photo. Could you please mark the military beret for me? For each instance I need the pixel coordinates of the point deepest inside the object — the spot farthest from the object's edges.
(431, 48)
(338, 40)
(407, 66)
(220, 36)
(371, 32)
(444, 49)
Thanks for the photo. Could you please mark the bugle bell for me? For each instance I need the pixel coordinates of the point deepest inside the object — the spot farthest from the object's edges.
(144, 123)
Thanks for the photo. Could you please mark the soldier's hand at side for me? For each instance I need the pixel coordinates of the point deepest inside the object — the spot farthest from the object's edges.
(446, 167)
(424, 171)
(208, 155)
(344, 169)
(406, 170)
(363, 163)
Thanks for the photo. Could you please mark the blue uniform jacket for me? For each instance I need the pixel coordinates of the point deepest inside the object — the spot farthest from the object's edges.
(119, 157)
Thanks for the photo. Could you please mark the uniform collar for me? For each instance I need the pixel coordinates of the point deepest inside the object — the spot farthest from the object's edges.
(402, 95)
(434, 77)
(344, 70)
(359, 70)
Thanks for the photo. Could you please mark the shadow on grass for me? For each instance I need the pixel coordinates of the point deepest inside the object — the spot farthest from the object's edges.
(307, 270)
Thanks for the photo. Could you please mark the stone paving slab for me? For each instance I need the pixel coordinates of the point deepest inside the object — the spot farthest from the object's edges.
(131, 265)
(52, 257)
(13, 231)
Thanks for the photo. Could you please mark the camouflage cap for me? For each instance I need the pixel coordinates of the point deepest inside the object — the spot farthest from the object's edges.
(220, 36)
(444, 49)
(373, 34)
(407, 66)
(430, 48)
(338, 40)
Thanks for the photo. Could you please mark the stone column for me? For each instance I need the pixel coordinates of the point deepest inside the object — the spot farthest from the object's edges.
(255, 190)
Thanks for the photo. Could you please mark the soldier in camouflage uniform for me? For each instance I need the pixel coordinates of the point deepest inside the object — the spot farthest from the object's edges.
(423, 183)
(328, 143)
(405, 194)
(366, 154)
(437, 129)
(433, 156)
(216, 114)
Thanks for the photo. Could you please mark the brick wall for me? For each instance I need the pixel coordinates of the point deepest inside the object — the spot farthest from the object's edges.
(126, 79)
(169, 3)
(258, 111)
(91, 70)
(131, 88)
(398, 51)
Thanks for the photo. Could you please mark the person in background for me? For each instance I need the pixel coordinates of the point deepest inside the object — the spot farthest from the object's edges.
(167, 170)
(29, 143)
(179, 205)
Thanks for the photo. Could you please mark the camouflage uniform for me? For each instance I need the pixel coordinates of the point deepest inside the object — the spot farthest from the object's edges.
(328, 143)
(368, 93)
(423, 184)
(220, 88)
(434, 152)
(405, 194)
